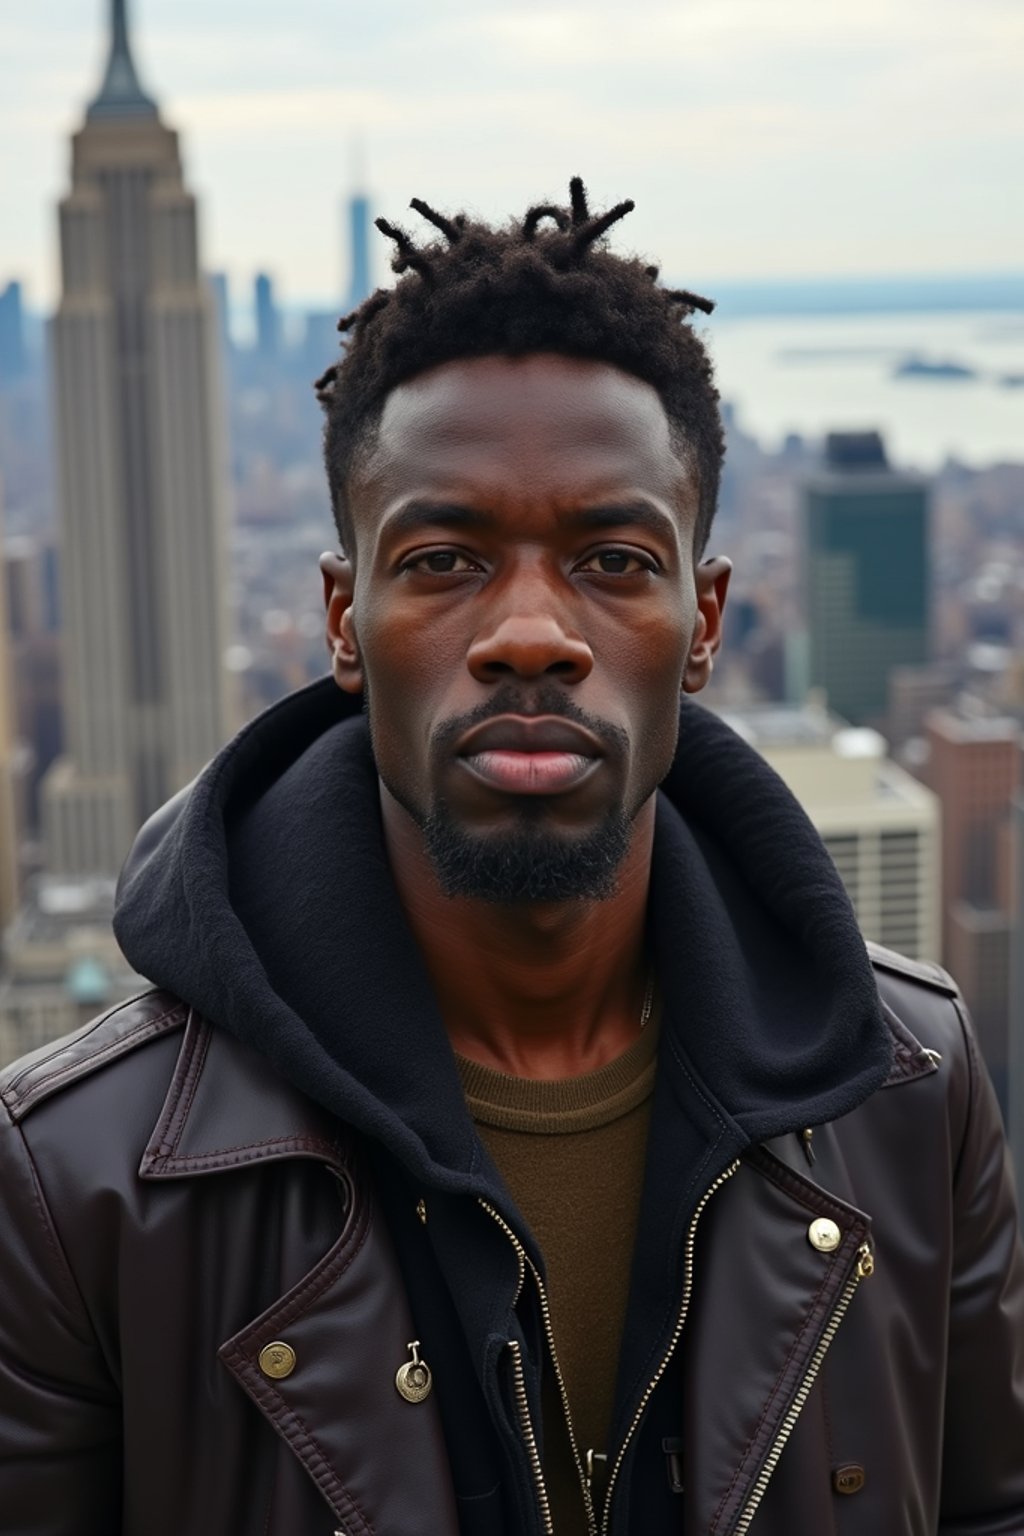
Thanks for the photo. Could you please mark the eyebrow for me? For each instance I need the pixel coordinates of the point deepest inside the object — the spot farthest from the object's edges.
(419, 514)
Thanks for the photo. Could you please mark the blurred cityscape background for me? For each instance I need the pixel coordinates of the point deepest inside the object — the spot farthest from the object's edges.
(162, 501)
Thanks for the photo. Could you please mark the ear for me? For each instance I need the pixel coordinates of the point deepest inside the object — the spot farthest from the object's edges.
(346, 662)
(712, 579)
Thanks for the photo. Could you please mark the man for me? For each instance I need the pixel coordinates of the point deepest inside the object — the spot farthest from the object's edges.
(514, 1145)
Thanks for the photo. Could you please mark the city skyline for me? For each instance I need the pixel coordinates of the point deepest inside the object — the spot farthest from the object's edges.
(757, 141)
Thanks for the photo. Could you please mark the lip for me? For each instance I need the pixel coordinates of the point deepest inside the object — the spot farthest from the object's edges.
(524, 755)
(530, 733)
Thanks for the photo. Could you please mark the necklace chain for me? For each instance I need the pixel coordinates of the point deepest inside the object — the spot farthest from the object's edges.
(648, 1002)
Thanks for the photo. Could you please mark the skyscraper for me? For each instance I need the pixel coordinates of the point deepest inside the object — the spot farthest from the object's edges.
(142, 480)
(13, 356)
(866, 574)
(268, 319)
(359, 249)
(8, 837)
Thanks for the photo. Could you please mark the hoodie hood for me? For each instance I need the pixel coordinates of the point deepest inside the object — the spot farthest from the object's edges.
(262, 896)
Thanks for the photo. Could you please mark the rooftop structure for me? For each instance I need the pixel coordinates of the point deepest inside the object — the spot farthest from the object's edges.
(879, 824)
(120, 94)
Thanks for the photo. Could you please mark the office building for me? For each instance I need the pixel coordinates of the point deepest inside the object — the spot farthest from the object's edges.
(880, 825)
(974, 768)
(142, 481)
(866, 576)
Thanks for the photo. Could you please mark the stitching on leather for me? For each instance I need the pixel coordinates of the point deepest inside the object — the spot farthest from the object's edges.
(786, 1180)
(970, 1049)
(829, 1446)
(90, 1029)
(187, 1091)
(816, 1308)
(269, 1141)
(315, 1458)
(349, 1242)
(112, 1048)
(278, 1410)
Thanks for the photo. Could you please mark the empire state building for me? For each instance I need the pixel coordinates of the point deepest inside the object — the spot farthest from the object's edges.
(142, 481)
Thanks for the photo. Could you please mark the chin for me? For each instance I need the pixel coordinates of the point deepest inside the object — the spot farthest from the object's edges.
(529, 862)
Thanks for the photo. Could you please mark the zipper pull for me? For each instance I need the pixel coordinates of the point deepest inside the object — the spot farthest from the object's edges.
(674, 1457)
(865, 1261)
(413, 1379)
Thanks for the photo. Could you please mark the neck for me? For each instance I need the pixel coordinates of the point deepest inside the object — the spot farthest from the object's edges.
(536, 990)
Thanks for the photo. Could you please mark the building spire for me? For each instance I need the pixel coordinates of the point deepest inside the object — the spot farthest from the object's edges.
(120, 95)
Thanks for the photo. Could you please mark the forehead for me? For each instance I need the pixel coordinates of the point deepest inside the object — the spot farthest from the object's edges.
(542, 424)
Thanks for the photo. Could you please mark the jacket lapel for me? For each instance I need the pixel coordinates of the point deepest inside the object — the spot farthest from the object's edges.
(320, 1362)
(778, 1260)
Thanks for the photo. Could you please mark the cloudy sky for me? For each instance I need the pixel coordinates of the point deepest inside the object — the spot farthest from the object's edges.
(760, 138)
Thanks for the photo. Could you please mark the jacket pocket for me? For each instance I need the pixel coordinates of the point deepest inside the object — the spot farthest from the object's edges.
(481, 1514)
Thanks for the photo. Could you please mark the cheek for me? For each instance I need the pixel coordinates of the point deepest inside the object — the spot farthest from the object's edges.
(652, 657)
(402, 668)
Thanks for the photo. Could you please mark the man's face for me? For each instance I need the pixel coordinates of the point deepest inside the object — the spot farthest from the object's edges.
(525, 612)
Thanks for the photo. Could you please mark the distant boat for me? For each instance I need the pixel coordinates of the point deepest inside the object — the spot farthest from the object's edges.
(1012, 381)
(922, 368)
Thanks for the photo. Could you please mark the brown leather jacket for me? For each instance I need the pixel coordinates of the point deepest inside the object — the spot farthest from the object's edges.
(851, 1332)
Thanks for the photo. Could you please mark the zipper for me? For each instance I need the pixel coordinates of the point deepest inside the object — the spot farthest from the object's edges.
(523, 1409)
(673, 1342)
(863, 1268)
(522, 1403)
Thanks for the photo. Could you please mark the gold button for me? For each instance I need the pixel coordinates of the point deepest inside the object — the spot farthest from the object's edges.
(277, 1360)
(824, 1235)
(849, 1479)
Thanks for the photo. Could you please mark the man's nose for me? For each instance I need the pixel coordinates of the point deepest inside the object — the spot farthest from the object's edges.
(530, 639)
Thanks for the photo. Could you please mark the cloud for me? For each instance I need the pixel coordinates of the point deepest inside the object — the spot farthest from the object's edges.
(790, 136)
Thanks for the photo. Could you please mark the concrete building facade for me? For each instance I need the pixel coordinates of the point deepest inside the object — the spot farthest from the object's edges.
(879, 824)
(142, 477)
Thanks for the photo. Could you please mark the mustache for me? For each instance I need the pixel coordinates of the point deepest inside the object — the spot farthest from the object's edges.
(545, 698)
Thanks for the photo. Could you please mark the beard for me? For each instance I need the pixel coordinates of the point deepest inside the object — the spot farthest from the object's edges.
(525, 862)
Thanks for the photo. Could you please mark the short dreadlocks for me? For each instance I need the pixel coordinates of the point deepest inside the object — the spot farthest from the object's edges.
(546, 283)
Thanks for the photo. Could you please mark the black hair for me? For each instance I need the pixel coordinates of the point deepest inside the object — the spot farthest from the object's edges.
(545, 283)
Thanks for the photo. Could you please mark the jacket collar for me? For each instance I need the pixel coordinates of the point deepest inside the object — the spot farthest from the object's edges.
(226, 1108)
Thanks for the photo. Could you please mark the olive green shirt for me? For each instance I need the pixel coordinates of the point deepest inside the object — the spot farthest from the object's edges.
(572, 1154)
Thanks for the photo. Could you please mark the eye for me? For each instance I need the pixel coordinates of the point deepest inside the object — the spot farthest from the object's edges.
(439, 562)
(617, 562)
